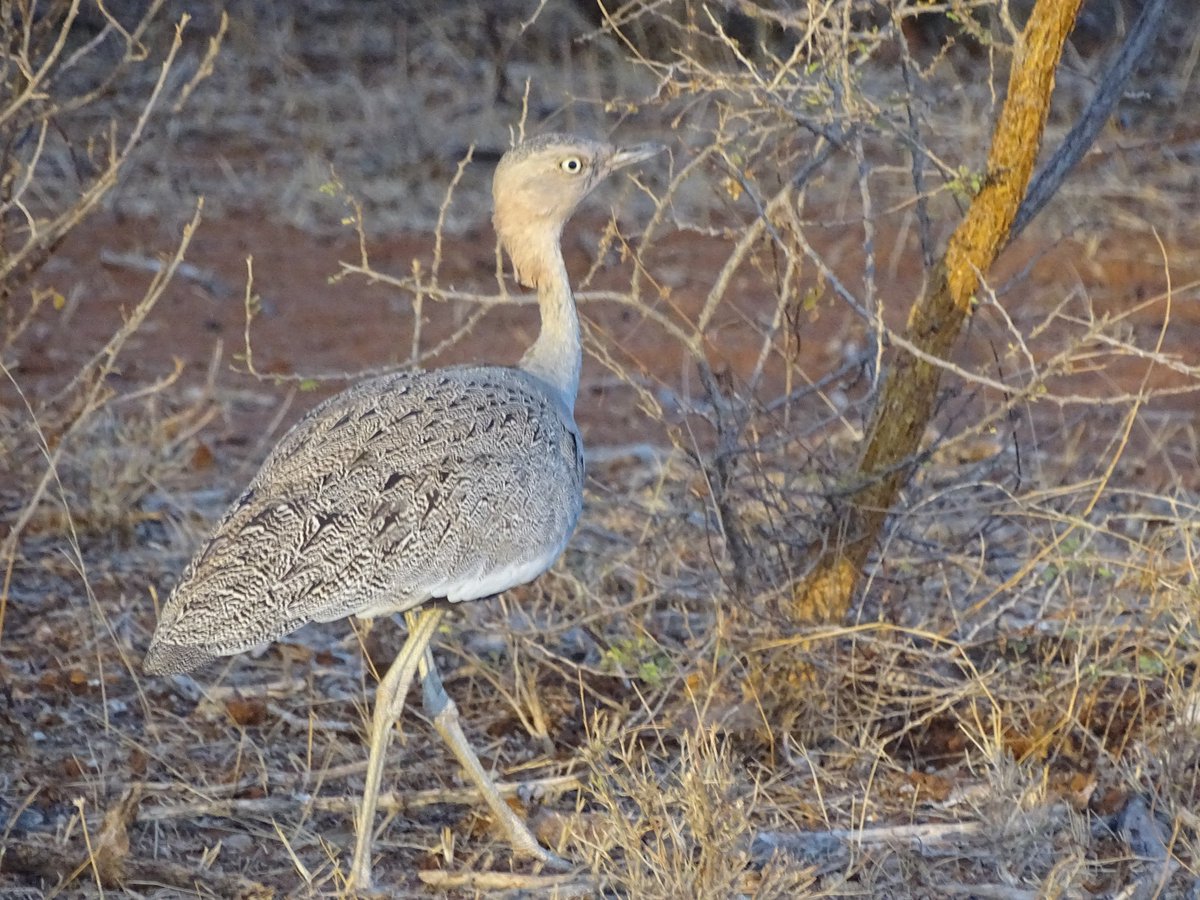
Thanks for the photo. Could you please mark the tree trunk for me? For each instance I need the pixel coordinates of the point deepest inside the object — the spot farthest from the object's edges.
(906, 402)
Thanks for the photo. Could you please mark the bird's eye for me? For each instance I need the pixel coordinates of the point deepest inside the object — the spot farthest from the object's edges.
(572, 165)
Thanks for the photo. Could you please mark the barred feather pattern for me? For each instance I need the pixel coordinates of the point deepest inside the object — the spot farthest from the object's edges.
(457, 483)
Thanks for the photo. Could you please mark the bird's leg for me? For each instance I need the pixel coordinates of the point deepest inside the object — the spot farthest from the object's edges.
(444, 713)
(389, 703)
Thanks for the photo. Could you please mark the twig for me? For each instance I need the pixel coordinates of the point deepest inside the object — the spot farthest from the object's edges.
(304, 723)
(500, 881)
(1081, 137)
(917, 152)
(389, 801)
(141, 263)
(813, 845)
(53, 230)
(988, 891)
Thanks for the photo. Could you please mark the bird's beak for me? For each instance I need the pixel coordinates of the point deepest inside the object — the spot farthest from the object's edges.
(626, 156)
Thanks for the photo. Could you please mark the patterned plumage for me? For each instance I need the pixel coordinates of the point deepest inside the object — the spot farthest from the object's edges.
(458, 483)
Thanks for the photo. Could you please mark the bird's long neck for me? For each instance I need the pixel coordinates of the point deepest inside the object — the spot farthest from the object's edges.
(556, 355)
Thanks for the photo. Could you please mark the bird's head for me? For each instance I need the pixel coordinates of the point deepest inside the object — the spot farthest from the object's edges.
(537, 186)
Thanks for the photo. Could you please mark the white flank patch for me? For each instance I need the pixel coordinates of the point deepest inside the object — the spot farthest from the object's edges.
(485, 584)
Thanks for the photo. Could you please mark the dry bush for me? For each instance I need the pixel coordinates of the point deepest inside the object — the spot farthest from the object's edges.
(82, 455)
(676, 820)
(65, 145)
(1024, 622)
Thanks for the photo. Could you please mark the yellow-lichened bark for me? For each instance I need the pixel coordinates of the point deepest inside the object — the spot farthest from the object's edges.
(906, 401)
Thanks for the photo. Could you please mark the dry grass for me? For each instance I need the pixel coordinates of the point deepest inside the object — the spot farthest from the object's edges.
(1010, 712)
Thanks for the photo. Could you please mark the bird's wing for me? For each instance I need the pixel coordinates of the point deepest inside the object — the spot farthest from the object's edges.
(457, 483)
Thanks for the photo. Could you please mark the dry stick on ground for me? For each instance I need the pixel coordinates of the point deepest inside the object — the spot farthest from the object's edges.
(561, 885)
(906, 403)
(394, 802)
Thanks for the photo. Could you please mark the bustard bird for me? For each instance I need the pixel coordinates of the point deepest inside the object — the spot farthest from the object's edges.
(452, 484)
